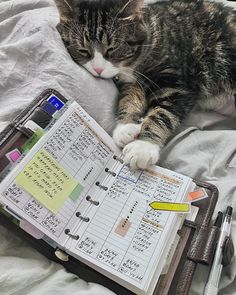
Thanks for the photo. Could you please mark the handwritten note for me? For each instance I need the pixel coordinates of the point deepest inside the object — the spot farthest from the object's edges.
(46, 181)
(40, 190)
(126, 235)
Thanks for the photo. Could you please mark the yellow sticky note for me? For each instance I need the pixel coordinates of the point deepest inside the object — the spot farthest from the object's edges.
(46, 181)
(166, 206)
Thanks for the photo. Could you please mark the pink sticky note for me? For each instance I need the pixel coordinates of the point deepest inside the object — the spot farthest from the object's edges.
(14, 155)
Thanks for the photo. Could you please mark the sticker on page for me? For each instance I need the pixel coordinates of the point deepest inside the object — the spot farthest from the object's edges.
(46, 181)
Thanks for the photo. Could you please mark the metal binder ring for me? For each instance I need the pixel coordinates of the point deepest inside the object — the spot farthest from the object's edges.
(105, 188)
(78, 214)
(110, 172)
(67, 232)
(118, 159)
(89, 199)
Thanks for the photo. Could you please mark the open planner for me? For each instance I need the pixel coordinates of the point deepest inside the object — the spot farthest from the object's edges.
(74, 188)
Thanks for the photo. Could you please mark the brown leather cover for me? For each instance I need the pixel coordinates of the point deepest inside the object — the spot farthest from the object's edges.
(197, 243)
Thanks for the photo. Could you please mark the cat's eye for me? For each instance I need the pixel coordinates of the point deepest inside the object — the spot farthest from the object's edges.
(84, 52)
(109, 52)
(66, 43)
(133, 43)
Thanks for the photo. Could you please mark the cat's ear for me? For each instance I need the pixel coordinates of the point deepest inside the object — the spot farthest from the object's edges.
(65, 8)
(131, 9)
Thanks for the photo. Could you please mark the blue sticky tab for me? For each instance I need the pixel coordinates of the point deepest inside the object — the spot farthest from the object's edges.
(56, 102)
(49, 108)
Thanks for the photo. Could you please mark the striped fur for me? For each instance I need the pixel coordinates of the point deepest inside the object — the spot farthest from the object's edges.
(170, 55)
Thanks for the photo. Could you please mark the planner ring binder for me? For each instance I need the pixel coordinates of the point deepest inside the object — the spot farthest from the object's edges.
(105, 188)
(94, 202)
(79, 215)
(68, 233)
(110, 172)
(118, 159)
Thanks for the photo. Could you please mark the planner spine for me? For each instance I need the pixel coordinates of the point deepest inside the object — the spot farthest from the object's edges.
(92, 200)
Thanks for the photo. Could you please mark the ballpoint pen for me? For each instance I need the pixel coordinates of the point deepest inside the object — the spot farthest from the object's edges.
(215, 273)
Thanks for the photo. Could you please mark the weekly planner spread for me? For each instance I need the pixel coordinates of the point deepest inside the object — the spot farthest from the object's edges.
(73, 187)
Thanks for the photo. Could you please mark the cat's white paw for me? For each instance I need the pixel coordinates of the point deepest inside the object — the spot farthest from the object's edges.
(141, 154)
(126, 133)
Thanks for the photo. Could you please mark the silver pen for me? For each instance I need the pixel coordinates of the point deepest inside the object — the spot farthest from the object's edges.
(215, 273)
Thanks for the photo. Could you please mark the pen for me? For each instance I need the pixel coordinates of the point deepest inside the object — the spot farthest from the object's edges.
(215, 273)
(219, 219)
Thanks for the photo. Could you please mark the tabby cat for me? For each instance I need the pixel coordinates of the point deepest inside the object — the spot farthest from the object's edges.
(168, 57)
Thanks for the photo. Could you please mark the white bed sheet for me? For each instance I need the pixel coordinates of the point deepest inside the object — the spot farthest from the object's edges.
(33, 58)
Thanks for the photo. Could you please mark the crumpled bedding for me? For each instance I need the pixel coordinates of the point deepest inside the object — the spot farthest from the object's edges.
(33, 58)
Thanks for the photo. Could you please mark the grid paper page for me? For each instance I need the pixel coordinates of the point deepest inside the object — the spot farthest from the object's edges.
(77, 143)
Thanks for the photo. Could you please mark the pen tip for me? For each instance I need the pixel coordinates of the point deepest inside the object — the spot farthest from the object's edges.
(229, 211)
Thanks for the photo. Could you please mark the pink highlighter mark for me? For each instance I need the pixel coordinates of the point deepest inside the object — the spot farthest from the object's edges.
(13, 156)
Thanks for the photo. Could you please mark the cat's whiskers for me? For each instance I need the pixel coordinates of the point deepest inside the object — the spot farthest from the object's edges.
(73, 29)
(137, 80)
(77, 30)
(151, 81)
(143, 83)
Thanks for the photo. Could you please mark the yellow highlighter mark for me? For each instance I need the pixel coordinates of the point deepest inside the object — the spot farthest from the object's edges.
(166, 206)
(47, 181)
(154, 224)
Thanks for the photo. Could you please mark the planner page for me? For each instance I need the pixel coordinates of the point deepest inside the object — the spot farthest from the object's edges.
(48, 187)
(125, 238)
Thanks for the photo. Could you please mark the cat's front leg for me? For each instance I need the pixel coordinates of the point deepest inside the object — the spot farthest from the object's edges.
(125, 133)
(130, 110)
(160, 122)
(140, 154)
(156, 128)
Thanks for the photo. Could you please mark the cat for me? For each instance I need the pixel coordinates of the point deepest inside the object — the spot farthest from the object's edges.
(167, 56)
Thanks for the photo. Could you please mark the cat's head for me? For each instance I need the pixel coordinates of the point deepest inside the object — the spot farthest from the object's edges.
(104, 36)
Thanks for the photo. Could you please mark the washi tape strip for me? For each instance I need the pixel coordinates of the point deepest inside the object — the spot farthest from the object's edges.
(176, 207)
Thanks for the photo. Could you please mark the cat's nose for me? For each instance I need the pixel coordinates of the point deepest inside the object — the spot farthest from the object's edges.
(98, 70)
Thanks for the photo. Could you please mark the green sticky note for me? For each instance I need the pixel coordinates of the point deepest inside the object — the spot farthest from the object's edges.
(32, 141)
(47, 181)
(76, 192)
